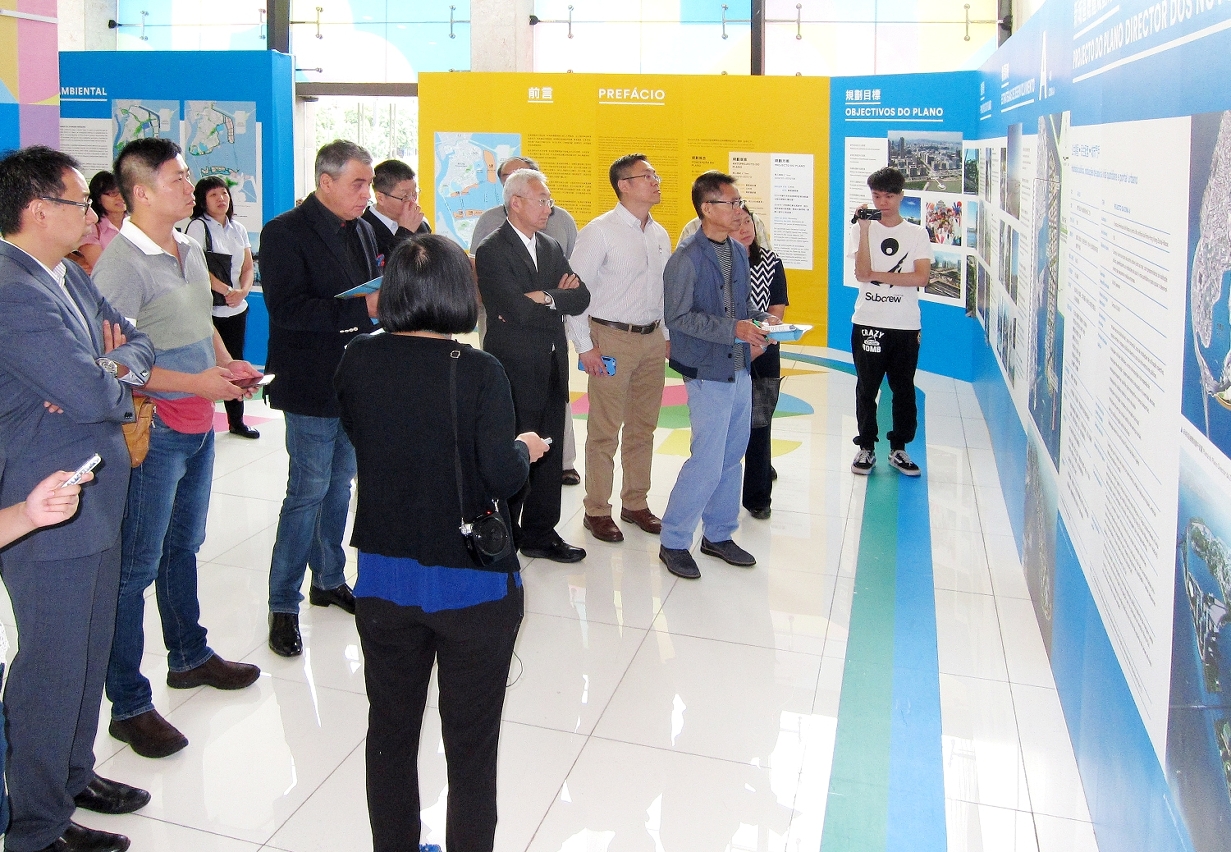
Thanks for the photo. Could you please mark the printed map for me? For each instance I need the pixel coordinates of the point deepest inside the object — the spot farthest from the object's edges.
(220, 139)
(142, 119)
(467, 185)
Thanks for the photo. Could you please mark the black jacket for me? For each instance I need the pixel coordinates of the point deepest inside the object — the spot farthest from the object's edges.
(527, 337)
(394, 396)
(304, 264)
(386, 241)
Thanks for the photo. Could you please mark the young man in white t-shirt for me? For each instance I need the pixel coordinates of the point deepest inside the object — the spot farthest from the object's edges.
(893, 258)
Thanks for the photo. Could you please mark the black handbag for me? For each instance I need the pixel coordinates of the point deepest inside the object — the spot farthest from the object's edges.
(487, 536)
(219, 265)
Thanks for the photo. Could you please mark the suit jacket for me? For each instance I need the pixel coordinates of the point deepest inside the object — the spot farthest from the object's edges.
(304, 264)
(49, 355)
(386, 240)
(527, 337)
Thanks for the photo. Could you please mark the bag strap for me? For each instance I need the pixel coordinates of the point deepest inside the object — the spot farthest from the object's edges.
(209, 241)
(457, 456)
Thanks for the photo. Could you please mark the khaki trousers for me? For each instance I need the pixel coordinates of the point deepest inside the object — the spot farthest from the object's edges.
(630, 401)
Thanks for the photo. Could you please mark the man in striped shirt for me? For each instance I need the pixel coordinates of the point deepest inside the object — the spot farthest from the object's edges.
(623, 252)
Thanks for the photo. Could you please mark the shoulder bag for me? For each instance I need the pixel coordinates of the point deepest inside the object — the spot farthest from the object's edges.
(219, 264)
(487, 536)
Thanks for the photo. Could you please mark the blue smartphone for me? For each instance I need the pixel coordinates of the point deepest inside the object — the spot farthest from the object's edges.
(608, 362)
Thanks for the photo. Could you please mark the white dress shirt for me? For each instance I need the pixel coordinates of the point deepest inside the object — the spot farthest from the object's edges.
(622, 265)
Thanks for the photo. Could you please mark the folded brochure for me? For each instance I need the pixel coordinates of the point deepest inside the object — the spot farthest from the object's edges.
(362, 290)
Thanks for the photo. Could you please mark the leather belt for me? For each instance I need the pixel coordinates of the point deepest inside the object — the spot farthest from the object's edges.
(624, 326)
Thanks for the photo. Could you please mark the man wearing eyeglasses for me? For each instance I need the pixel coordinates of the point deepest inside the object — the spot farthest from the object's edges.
(563, 229)
(713, 342)
(66, 372)
(621, 255)
(528, 288)
(395, 215)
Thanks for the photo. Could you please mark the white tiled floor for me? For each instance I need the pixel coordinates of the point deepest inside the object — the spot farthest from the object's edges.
(646, 712)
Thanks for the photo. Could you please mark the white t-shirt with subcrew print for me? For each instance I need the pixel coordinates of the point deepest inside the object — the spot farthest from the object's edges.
(891, 250)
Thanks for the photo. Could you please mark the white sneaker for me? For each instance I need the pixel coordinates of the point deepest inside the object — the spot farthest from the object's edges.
(864, 461)
(900, 460)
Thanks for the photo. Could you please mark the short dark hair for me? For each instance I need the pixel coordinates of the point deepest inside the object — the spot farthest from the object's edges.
(516, 158)
(619, 169)
(428, 286)
(201, 191)
(887, 179)
(389, 174)
(25, 175)
(706, 185)
(139, 160)
(100, 185)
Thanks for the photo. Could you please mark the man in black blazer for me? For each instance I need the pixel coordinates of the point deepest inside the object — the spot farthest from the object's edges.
(66, 369)
(528, 288)
(308, 256)
(395, 216)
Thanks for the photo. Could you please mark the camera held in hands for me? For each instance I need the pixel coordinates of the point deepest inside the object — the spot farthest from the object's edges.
(866, 213)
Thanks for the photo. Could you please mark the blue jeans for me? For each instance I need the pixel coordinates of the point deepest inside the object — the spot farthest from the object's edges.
(313, 518)
(708, 487)
(164, 527)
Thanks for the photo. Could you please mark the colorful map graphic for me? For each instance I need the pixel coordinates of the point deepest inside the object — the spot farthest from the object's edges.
(142, 119)
(220, 140)
(466, 164)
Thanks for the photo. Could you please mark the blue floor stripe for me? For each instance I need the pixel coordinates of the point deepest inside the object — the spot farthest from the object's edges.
(916, 769)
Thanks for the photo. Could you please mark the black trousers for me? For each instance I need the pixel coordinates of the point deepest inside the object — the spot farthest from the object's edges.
(232, 331)
(65, 614)
(880, 352)
(535, 510)
(758, 481)
(472, 649)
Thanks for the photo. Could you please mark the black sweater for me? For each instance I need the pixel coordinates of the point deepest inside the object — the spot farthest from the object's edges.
(393, 392)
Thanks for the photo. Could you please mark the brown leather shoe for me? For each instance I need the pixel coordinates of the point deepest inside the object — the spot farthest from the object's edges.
(644, 518)
(602, 528)
(215, 672)
(149, 734)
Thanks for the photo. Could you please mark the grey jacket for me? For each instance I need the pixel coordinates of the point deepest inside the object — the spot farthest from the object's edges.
(702, 335)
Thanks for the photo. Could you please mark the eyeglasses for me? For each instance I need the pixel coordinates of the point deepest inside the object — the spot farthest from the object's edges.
(402, 198)
(541, 202)
(84, 205)
(651, 175)
(737, 204)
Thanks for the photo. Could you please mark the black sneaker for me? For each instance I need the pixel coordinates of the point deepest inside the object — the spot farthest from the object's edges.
(864, 461)
(900, 460)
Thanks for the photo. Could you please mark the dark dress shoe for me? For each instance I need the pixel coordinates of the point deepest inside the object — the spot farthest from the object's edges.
(602, 528)
(760, 514)
(644, 518)
(245, 431)
(284, 638)
(680, 563)
(104, 796)
(559, 551)
(570, 477)
(78, 838)
(341, 597)
(149, 734)
(729, 552)
(773, 473)
(215, 672)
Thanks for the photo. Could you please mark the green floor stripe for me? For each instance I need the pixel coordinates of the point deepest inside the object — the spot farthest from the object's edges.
(856, 814)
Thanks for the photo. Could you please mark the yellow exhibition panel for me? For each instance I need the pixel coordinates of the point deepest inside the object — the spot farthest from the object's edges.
(772, 133)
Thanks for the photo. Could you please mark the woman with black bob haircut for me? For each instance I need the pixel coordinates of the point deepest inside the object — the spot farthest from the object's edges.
(421, 598)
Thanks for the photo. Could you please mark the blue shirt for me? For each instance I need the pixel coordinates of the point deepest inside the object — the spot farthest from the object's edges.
(432, 588)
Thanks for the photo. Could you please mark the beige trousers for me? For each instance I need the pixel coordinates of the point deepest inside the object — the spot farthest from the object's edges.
(628, 401)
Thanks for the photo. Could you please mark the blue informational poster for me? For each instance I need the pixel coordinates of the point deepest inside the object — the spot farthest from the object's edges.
(916, 123)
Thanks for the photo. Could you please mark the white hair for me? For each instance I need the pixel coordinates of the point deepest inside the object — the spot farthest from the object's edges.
(517, 182)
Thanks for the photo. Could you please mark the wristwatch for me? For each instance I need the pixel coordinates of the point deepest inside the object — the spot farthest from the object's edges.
(548, 300)
(109, 365)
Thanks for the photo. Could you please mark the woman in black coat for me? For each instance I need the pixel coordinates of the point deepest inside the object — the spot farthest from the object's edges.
(420, 597)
